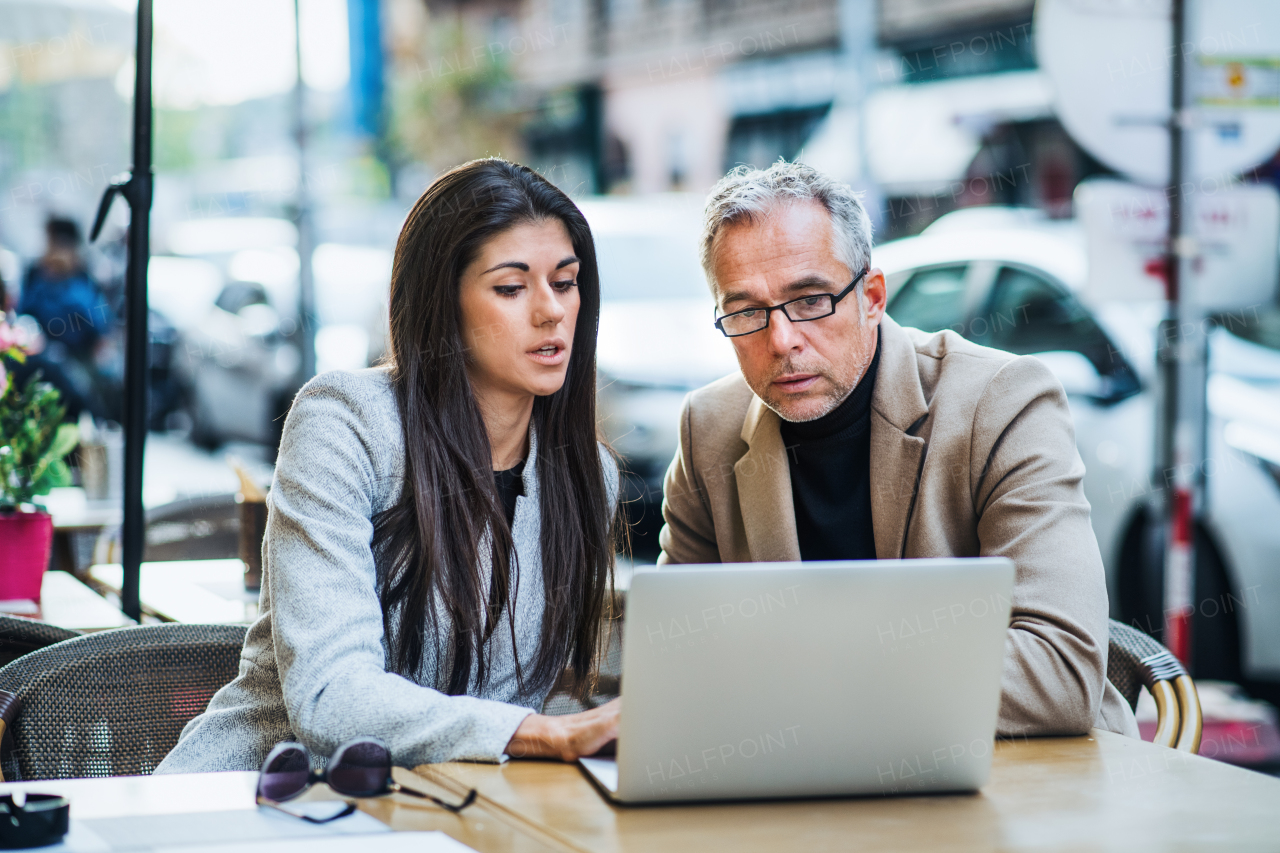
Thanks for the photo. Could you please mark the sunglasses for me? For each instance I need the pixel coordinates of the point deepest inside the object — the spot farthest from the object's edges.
(359, 768)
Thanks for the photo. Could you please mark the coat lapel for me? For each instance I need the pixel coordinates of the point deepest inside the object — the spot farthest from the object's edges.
(897, 455)
(764, 489)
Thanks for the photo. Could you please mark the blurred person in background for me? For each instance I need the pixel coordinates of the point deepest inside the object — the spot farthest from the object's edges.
(440, 531)
(74, 318)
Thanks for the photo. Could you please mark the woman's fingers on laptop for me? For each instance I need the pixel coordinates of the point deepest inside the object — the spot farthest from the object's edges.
(591, 730)
(566, 737)
(609, 750)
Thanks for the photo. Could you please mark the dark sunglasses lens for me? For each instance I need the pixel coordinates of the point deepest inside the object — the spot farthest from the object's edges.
(285, 775)
(360, 769)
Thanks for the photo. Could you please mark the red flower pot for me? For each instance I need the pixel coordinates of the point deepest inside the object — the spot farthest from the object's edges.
(25, 541)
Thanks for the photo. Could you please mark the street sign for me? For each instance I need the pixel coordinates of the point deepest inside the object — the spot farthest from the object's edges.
(1236, 231)
(1110, 63)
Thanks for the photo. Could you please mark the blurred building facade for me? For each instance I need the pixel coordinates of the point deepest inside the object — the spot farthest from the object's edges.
(63, 127)
(963, 116)
(930, 104)
(927, 104)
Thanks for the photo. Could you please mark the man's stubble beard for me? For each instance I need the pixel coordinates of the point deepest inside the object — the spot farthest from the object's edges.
(833, 398)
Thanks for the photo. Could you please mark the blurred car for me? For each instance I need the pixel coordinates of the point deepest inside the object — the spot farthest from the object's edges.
(1005, 279)
(232, 356)
(656, 341)
(231, 289)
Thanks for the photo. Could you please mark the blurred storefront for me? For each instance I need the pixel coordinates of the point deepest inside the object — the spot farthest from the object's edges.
(963, 116)
(928, 104)
(635, 97)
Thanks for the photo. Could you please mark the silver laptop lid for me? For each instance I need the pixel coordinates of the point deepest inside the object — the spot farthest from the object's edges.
(810, 679)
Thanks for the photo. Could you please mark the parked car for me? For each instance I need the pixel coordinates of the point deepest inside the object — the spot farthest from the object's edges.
(1003, 279)
(232, 287)
(656, 341)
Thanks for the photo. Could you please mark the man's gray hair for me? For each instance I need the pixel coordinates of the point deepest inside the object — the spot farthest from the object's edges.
(747, 194)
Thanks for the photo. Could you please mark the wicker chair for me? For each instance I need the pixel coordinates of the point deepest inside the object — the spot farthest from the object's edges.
(1135, 660)
(202, 528)
(20, 636)
(111, 703)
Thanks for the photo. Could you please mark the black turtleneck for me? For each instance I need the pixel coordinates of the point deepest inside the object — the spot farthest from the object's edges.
(830, 462)
(510, 486)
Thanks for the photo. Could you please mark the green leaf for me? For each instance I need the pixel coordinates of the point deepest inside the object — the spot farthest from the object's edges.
(55, 475)
(50, 470)
(34, 441)
(64, 441)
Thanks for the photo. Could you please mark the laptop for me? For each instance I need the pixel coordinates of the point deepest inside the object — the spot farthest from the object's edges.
(778, 680)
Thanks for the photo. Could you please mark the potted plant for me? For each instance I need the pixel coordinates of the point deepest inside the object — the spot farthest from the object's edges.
(33, 444)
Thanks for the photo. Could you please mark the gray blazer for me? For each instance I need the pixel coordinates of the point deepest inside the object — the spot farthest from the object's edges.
(315, 666)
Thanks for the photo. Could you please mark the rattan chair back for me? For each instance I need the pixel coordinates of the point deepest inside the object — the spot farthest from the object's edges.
(112, 703)
(1136, 660)
(203, 528)
(20, 636)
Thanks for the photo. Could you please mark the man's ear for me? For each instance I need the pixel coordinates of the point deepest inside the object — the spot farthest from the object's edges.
(875, 295)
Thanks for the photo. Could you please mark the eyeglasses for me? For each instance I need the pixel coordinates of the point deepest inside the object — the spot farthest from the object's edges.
(359, 768)
(800, 310)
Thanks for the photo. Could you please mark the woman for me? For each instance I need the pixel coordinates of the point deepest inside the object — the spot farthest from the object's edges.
(440, 537)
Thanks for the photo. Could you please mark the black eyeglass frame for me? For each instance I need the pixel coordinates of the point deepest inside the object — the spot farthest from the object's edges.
(389, 784)
(768, 310)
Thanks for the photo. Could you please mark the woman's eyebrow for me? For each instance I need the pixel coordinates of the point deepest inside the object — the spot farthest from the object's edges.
(519, 265)
(523, 267)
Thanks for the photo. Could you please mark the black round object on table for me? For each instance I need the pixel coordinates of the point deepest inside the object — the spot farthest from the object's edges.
(42, 820)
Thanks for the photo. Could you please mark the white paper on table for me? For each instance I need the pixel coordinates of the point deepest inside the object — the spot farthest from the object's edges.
(383, 842)
(215, 830)
(81, 839)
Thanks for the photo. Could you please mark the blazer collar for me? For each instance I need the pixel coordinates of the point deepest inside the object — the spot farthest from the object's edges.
(764, 488)
(898, 395)
(897, 408)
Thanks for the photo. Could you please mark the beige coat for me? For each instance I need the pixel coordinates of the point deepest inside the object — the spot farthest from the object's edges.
(972, 454)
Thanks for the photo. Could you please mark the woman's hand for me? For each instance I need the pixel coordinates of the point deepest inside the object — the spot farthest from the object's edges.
(567, 737)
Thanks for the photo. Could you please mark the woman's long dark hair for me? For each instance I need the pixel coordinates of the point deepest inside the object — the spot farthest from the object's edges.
(434, 539)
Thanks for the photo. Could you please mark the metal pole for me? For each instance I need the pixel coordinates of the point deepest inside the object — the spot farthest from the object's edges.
(138, 193)
(302, 213)
(1181, 364)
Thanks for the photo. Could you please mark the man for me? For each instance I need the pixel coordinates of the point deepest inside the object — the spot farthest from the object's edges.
(847, 436)
(73, 315)
(58, 292)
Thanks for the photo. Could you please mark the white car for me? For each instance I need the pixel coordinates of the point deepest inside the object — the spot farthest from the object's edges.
(656, 341)
(1005, 280)
(231, 288)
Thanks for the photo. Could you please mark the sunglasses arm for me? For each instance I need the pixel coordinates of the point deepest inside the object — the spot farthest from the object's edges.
(397, 788)
(349, 809)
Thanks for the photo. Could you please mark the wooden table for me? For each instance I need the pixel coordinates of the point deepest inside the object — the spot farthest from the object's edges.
(198, 591)
(1103, 792)
(68, 603)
